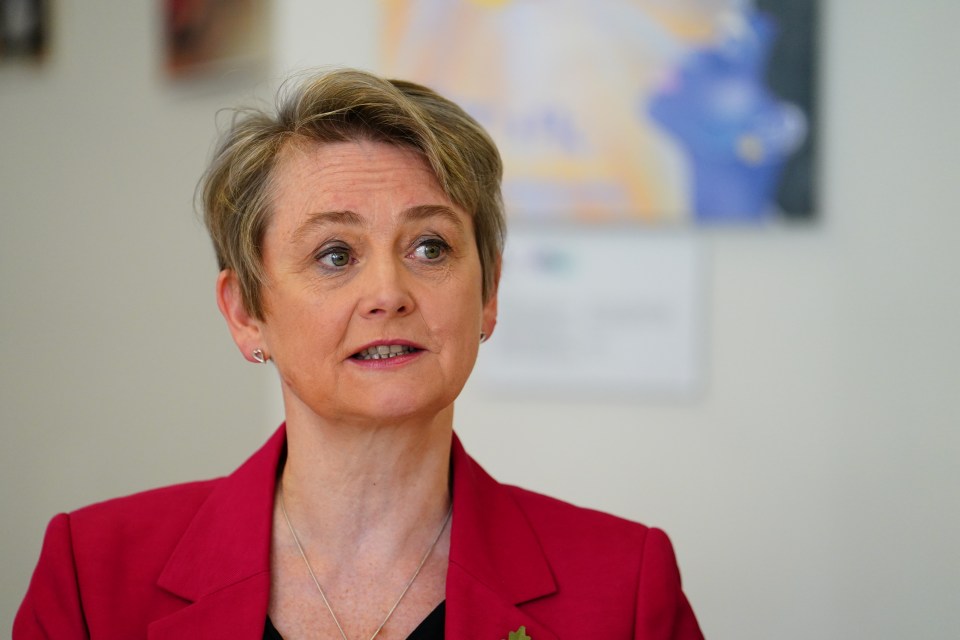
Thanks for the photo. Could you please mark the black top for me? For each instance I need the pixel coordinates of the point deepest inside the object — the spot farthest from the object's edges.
(430, 629)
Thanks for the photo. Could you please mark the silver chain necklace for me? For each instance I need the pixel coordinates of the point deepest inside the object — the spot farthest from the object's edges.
(323, 596)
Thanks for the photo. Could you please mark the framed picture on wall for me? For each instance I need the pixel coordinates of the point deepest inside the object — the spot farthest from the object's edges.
(690, 111)
(24, 30)
(201, 36)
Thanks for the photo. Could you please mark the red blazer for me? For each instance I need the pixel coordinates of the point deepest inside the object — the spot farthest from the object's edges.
(192, 561)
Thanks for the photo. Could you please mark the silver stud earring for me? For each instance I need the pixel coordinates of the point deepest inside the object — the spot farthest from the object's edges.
(483, 337)
(259, 356)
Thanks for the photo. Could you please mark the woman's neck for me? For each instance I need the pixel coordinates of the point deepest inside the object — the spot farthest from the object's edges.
(363, 485)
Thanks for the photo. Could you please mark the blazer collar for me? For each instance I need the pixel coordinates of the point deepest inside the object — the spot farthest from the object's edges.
(496, 561)
(222, 562)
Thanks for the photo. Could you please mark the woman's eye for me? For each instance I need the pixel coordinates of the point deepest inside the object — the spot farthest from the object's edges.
(335, 258)
(431, 250)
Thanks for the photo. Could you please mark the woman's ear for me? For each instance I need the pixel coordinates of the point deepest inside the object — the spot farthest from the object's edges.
(489, 318)
(246, 330)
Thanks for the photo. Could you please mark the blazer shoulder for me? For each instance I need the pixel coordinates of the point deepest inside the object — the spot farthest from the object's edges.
(162, 503)
(99, 563)
(153, 519)
(585, 541)
(601, 558)
(554, 515)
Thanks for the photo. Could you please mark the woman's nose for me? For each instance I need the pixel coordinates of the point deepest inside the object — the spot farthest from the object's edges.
(385, 290)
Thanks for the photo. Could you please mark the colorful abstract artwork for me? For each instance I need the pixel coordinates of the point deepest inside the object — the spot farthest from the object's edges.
(688, 111)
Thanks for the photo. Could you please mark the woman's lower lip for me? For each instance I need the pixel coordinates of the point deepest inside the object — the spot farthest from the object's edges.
(386, 363)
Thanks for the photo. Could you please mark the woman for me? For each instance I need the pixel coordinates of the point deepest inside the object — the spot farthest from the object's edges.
(359, 233)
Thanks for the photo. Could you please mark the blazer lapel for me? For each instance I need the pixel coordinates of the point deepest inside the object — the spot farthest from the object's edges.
(475, 611)
(237, 612)
(222, 563)
(496, 562)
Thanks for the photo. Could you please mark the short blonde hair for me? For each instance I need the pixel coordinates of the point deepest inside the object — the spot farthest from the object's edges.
(341, 106)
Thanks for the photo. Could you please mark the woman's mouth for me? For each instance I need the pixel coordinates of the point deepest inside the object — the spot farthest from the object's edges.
(384, 351)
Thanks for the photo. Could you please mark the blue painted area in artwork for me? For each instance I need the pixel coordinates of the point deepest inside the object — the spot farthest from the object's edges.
(548, 126)
(736, 133)
(545, 126)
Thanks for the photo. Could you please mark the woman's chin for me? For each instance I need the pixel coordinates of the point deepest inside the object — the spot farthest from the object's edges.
(403, 409)
(389, 409)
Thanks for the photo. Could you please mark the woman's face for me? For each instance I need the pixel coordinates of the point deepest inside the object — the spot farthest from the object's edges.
(373, 308)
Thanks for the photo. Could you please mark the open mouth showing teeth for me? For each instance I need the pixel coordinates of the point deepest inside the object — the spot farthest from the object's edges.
(383, 351)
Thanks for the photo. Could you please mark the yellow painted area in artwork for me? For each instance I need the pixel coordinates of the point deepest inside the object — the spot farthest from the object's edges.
(576, 139)
(490, 4)
(686, 25)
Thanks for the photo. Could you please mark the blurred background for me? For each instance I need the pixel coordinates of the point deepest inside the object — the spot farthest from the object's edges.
(811, 487)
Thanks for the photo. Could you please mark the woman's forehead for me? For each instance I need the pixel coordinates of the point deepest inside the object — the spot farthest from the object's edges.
(333, 168)
(307, 154)
(350, 181)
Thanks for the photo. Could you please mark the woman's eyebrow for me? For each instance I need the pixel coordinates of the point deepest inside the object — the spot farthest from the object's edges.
(351, 218)
(326, 218)
(425, 211)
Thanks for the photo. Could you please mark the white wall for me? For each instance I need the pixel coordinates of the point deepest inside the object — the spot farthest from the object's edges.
(811, 492)
(116, 372)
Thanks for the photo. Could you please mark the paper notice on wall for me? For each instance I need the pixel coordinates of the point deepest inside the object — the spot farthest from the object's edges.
(585, 312)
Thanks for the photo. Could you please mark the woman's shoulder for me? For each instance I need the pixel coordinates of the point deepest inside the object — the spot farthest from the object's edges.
(561, 527)
(154, 515)
(570, 519)
(571, 531)
(599, 557)
(153, 522)
(183, 497)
